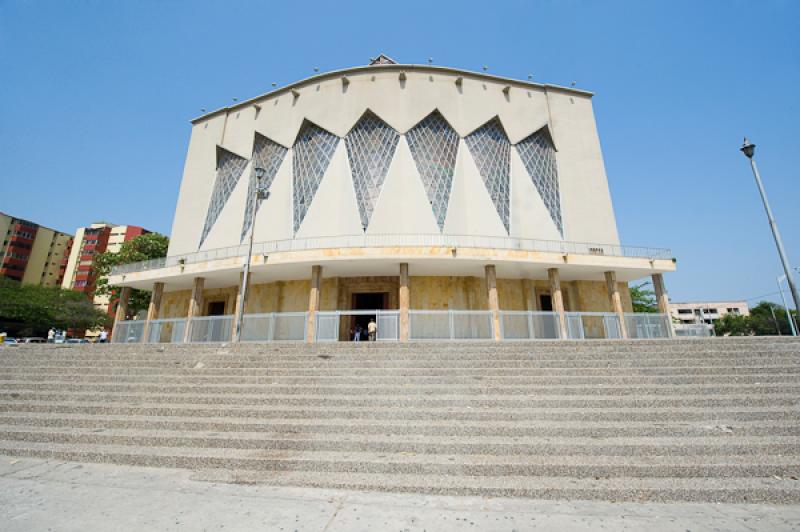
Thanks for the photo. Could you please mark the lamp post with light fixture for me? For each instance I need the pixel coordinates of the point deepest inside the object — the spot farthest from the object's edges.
(261, 193)
(748, 148)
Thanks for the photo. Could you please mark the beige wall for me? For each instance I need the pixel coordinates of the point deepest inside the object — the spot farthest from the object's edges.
(38, 256)
(427, 293)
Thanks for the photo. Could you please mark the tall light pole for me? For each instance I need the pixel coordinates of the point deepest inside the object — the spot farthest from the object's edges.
(260, 193)
(789, 317)
(749, 149)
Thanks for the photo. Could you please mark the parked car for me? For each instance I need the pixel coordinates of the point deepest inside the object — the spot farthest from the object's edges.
(10, 342)
(77, 341)
(34, 340)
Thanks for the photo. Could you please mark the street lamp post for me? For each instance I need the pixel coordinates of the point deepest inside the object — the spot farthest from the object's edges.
(260, 193)
(789, 317)
(749, 149)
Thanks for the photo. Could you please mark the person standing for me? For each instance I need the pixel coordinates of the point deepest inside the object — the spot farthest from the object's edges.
(357, 335)
(372, 329)
(103, 336)
(51, 336)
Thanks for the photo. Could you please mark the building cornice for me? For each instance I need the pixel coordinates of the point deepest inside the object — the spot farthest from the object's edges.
(545, 87)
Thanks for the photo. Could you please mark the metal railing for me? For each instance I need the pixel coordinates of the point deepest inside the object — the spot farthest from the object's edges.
(166, 331)
(423, 325)
(211, 329)
(128, 332)
(274, 327)
(648, 325)
(593, 325)
(389, 240)
(450, 325)
(529, 325)
(331, 328)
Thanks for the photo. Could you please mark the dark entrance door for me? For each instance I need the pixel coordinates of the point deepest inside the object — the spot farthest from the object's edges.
(366, 301)
(545, 303)
(216, 308)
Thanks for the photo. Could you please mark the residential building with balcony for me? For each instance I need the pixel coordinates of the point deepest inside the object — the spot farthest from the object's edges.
(441, 202)
(32, 253)
(706, 312)
(99, 237)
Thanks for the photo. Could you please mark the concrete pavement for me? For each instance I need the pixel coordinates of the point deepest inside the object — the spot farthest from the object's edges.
(38, 494)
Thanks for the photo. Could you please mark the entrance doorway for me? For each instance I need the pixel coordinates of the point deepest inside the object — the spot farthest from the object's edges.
(545, 303)
(365, 301)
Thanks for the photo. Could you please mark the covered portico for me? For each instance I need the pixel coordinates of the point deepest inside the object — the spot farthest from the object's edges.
(576, 285)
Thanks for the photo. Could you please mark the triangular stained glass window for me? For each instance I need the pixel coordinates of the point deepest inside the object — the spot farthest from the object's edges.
(268, 155)
(539, 157)
(491, 150)
(434, 145)
(370, 147)
(313, 151)
(230, 168)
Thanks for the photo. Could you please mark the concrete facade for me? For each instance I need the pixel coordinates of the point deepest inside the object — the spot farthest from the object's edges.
(398, 187)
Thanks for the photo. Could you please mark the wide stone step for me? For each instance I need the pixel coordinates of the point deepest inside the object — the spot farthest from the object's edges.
(509, 430)
(421, 363)
(533, 401)
(476, 387)
(463, 413)
(525, 449)
(203, 381)
(793, 369)
(434, 465)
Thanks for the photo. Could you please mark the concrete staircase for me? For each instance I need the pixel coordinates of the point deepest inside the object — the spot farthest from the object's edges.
(698, 420)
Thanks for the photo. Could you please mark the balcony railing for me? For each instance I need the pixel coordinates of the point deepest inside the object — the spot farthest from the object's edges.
(415, 240)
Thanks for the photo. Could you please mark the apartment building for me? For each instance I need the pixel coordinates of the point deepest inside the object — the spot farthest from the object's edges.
(32, 253)
(706, 311)
(99, 237)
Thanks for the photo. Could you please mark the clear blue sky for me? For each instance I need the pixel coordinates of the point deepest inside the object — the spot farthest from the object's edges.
(96, 98)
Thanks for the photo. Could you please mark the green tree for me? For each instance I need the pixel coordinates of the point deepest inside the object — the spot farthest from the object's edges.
(767, 318)
(644, 300)
(28, 309)
(733, 325)
(143, 247)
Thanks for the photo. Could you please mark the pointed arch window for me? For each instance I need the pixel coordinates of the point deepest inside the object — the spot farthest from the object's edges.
(230, 168)
(434, 146)
(269, 155)
(313, 151)
(491, 151)
(370, 147)
(539, 157)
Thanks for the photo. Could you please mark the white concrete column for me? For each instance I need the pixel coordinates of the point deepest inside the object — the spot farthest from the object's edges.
(122, 305)
(494, 303)
(529, 292)
(195, 306)
(662, 299)
(154, 308)
(558, 300)
(313, 303)
(616, 301)
(404, 302)
(236, 303)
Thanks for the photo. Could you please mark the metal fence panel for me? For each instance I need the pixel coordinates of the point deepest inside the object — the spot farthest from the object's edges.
(327, 326)
(593, 325)
(529, 325)
(429, 325)
(166, 331)
(128, 332)
(289, 326)
(468, 325)
(647, 325)
(692, 330)
(257, 327)
(388, 326)
(210, 329)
